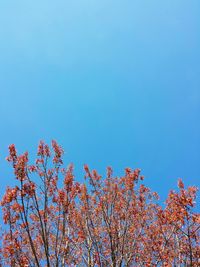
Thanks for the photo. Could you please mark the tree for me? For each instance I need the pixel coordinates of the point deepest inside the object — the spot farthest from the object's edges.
(116, 221)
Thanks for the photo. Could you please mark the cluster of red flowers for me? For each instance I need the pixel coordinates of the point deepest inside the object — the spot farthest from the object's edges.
(116, 221)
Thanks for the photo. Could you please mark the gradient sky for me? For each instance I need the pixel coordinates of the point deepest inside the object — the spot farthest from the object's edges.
(114, 82)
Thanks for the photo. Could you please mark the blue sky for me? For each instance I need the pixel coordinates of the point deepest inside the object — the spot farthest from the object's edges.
(114, 82)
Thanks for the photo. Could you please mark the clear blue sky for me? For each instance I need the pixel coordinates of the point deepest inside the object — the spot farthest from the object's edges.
(114, 82)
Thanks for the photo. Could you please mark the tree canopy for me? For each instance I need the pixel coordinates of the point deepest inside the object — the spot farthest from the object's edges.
(53, 220)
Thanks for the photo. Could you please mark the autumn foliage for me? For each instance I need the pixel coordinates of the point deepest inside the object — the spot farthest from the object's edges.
(52, 220)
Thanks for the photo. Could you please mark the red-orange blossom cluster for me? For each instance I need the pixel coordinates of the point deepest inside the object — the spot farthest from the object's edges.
(115, 221)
